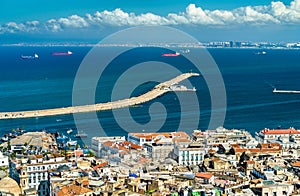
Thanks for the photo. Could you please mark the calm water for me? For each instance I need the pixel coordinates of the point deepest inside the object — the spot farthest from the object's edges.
(47, 83)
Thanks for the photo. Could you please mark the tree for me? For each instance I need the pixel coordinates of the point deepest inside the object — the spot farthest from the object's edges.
(91, 153)
(8, 145)
(77, 146)
(12, 155)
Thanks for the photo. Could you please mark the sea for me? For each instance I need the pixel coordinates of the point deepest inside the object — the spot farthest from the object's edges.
(249, 78)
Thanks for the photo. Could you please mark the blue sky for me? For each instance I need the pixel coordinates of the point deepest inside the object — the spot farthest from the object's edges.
(209, 20)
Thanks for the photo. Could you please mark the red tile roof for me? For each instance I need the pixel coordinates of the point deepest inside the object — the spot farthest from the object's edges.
(256, 150)
(211, 151)
(250, 162)
(108, 143)
(235, 145)
(72, 190)
(204, 175)
(132, 145)
(280, 131)
(296, 164)
(100, 165)
(180, 140)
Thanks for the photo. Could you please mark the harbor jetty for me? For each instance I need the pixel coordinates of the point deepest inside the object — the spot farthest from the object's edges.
(157, 91)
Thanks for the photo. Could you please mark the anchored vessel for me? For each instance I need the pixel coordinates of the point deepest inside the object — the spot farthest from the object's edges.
(171, 54)
(35, 56)
(62, 53)
(285, 91)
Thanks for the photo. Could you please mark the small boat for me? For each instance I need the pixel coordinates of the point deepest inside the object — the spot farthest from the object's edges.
(260, 53)
(62, 137)
(35, 56)
(81, 135)
(68, 53)
(4, 138)
(58, 120)
(71, 142)
(69, 131)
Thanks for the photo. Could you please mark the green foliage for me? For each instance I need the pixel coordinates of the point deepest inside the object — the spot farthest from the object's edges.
(8, 145)
(91, 153)
(12, 155)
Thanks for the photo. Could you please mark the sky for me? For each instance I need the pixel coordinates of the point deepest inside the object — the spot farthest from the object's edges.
(91, 20)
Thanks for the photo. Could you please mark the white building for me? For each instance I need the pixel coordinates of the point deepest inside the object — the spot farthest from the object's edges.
(187, 153)
(288, 138)
(160, 149)
(3, 160)
(97, 143)
(34, 175)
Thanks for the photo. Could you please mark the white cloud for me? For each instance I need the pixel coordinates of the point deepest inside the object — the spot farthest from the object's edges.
(275, 13)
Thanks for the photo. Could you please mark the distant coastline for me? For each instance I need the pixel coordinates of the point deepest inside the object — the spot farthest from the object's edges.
(214, 44)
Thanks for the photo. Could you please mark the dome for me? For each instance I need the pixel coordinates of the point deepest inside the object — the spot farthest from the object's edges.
(9, 185)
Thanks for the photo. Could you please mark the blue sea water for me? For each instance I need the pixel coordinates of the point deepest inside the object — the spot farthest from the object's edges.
(47, 82)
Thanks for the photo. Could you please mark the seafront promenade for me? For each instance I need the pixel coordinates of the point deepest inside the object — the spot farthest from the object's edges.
(157, 91)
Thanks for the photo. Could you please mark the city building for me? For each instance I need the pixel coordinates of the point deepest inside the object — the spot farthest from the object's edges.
(188, 153)
(149, 138)
(3, 160)
(32, 142)
(34, 174)
(287, 138)
(97, 143)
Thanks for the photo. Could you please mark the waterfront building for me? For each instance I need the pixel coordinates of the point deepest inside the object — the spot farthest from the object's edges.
(287, 138)
(225, 137)
(97, 143)
(33, 143)
(149, 138)
(34, 174)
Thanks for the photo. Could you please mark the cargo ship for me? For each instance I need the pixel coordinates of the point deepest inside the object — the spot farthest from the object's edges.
(35, 56)
(171, 54)
(68, 53)
(285, 91)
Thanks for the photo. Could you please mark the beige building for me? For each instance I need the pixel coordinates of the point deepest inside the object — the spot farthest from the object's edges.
(9, 187)
(271, 188)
